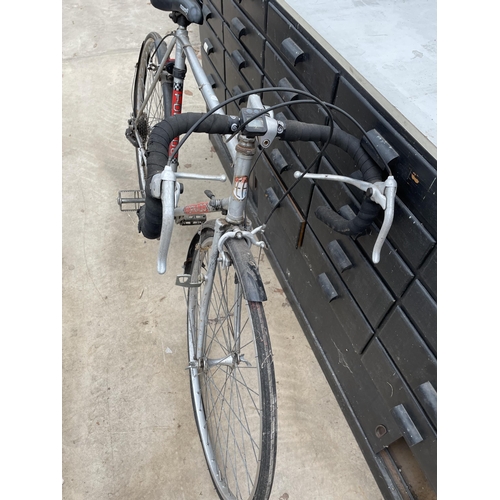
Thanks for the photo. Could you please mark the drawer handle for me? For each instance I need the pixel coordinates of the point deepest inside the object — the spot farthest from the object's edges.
(278, 161)
(207, 13)
(272, 198)
(292, 51)
(238, 28)
(287, 96)
(406, 425)
(327, 288)
(211, 80)
(236, 90)
(238, 58)
(207, 46)
(339, 258)
(429, 399)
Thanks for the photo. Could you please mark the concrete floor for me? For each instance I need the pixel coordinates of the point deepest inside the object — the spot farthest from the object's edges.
(128, 431)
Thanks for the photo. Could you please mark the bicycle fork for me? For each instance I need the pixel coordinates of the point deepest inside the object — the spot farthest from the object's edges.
(217, 258)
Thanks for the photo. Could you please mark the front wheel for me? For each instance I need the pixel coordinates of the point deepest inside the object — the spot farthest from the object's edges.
(232, 374)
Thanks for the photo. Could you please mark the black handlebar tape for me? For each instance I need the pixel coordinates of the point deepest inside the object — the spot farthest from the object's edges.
(150, 216)
(368, 211)
(364, 218)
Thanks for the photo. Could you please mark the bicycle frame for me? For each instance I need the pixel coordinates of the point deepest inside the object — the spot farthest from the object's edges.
(224, 289)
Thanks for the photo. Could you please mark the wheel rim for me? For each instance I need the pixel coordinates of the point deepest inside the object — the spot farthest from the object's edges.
(154, 111)
(226, 387)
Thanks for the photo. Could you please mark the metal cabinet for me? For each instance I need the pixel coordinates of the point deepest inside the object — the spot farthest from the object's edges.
(372, 328)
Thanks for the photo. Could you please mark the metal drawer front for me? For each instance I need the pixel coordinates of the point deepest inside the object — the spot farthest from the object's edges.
(422, 310)
(302, 57)
(392, 268)
(235, 82)
(285, 162)
(280, 76)
(214, 77)
(428, 273)
(344, 307)
(370, 293)
(212, 17)
(245, 31)
(217, 3)
(270, 190)
(404, 408)
(242, 60)
(255, 10)
(212, 47)
(410, 354)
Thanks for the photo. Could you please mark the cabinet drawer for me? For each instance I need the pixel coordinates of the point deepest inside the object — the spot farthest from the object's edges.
(256, 10)
(235, 82)
(305, 151)
(392, 268)
(428, 273)
(303, 58)
(214, 78)
(212, 17)
(332, 296)
(233, 108)
(409, 235)
(280, 76)
(241, 60)
(358, 275)
(409, 416)
(411, 355)
(415, 176)
(422, 310)
(285, 164)
(287, 215)
(216, 3)
(245, 31)
(335, 334)
(212, 47)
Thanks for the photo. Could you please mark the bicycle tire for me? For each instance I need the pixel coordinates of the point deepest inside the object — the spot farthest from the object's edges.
(236, 410)
(158, 107)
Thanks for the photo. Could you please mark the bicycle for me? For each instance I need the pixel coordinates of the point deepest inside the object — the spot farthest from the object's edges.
(230, 361)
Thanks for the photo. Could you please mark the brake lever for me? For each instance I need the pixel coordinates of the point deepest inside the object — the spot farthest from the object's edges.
(389, 193)
(164, 186)
(382, 193)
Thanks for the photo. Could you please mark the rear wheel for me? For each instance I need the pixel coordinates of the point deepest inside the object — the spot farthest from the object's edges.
(158, 105)
(232, 381)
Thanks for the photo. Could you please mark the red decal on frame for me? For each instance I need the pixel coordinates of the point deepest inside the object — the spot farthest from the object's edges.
(240, 188)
